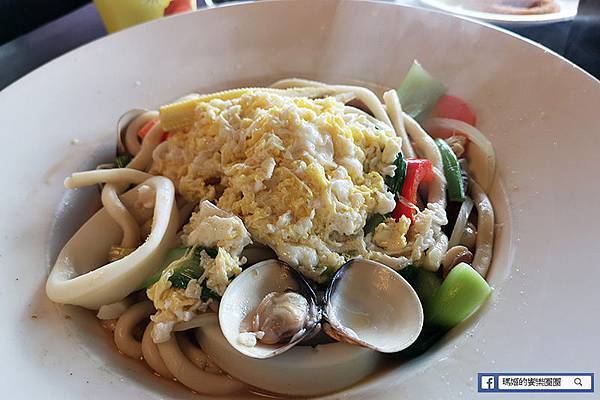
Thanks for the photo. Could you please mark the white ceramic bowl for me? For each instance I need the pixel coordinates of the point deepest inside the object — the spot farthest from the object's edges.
(540, 112)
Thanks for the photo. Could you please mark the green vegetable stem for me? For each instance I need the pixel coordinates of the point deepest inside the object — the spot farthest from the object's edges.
(419, 92)
(452, 172)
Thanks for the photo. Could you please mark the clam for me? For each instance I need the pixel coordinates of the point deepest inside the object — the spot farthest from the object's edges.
(270, 307)
(272, 296)
(122, 124)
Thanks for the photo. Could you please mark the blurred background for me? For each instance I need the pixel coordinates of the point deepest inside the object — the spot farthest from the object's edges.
(21, 16)
(33, 32)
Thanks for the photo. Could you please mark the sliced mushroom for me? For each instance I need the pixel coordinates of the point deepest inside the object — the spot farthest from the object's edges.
(455, 256)
(458, 144)
(469, 236)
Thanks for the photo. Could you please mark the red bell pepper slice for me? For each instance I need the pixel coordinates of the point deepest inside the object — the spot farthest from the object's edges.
(149, 125)
(417, 171)
(146, 128)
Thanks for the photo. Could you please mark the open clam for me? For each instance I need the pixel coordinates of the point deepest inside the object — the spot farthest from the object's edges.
(257, 299)
(269, 308)
(127, 127)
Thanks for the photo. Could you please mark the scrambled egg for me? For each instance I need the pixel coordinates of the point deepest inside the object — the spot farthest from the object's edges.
(428, 242)
(303, 174)
(212, 227)
(390, 235)
(173, 305)
(218, 271)
(422, 242)
(209, 227)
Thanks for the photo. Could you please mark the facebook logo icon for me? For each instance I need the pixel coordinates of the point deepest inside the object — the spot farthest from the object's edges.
(487, 383)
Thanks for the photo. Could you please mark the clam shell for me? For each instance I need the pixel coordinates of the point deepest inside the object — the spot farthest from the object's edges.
(371, 305)
(122, 123)
(246, 291)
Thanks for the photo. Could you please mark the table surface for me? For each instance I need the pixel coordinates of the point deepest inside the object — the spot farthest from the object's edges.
(577, 40)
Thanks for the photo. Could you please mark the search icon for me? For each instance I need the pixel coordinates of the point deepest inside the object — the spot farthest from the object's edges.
(577, 381)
